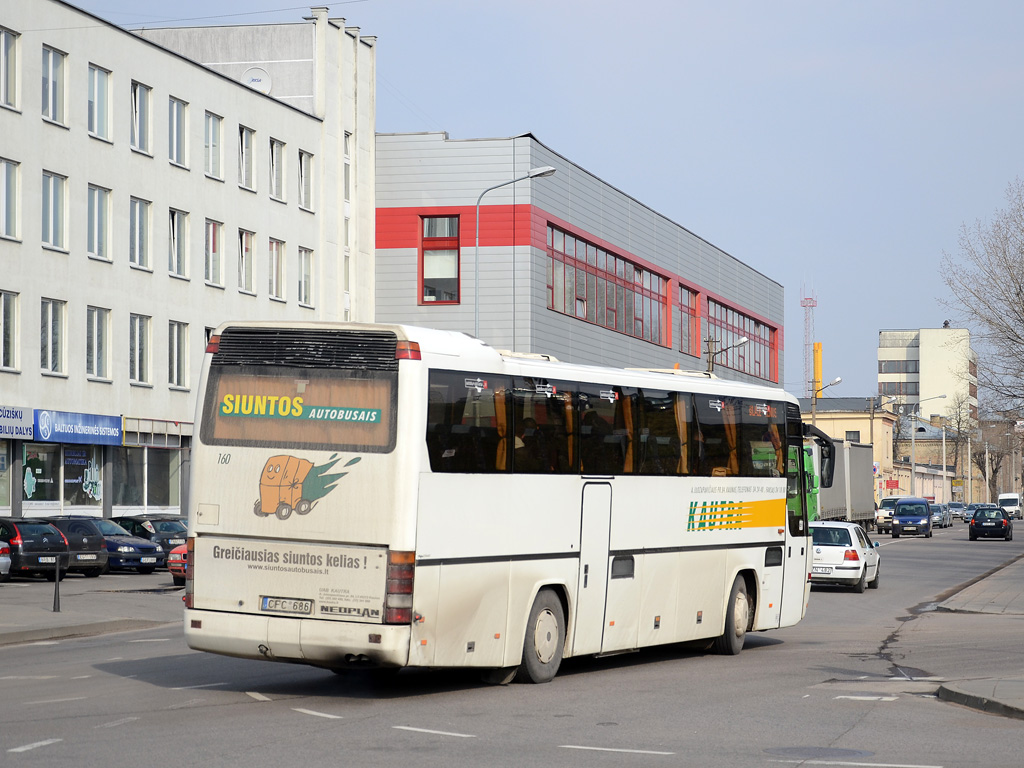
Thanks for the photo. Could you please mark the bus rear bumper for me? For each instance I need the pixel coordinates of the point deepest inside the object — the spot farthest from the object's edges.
(332, 644)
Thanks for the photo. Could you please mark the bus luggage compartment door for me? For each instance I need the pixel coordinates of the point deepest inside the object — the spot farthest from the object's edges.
(591, 589)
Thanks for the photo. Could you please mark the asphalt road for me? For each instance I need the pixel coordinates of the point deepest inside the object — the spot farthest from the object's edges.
(853, 684)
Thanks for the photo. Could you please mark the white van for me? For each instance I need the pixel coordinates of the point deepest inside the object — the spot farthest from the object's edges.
(1011, 503)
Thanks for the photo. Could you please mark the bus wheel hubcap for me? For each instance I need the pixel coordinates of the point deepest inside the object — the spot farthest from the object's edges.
(545, 636)
(741, 615)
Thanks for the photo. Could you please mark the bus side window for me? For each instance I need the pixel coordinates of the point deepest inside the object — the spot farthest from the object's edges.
(467, 422)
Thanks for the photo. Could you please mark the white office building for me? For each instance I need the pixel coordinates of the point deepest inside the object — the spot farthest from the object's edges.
(923, 364)
(146, 198)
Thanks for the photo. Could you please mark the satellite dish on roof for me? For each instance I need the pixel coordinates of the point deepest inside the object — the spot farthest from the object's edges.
(257, 78)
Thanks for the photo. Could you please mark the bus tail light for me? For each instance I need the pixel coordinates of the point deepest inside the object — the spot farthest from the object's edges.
(213, 345)
(398, 593)
(190, 545)
(407, 350)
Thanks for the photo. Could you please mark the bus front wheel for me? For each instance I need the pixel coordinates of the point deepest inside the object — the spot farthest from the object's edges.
(545, 639)
(737, 619)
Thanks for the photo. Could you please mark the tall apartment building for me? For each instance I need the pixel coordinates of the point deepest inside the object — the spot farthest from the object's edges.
(568, 265)
(144, 199)
(922, 364)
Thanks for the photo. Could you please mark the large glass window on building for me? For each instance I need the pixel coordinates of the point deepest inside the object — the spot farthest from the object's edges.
(41, 480)
(147, 477)
(757, 356)
(83, 469)
(597, 286)
(440, 260)
(5, 473)
(129, 477)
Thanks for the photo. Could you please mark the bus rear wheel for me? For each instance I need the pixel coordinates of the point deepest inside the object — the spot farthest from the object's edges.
(545, 639)
(737, 619)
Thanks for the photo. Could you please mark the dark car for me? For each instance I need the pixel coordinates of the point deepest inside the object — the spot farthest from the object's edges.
(35, 547)
(911, 517)
(127, 551)
(88, 552)
(991, 522)
(166, 531)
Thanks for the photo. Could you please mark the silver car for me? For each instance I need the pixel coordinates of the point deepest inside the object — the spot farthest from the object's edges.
(5, 561)
(941, 516)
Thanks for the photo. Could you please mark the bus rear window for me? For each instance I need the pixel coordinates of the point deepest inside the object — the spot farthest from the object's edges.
(300, 408)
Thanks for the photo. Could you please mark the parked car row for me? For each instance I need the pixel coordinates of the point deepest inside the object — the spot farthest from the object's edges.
(86, 544)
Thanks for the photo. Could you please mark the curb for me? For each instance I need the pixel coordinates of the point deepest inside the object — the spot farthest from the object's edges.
(82, 630)
(950, 692)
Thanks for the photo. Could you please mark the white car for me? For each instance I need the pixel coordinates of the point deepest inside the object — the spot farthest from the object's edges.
(843, 554)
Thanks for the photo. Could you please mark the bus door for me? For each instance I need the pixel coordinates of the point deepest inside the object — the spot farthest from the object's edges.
(796, 547)
(592, 588)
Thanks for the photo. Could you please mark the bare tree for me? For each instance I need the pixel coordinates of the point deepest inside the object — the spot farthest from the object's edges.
(987, 280)
(959, 424)
(990, 467)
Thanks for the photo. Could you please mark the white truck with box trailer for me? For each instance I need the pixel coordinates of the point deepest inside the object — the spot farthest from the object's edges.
(852, 494)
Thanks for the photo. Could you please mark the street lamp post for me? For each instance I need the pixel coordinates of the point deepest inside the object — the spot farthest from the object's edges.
(913, 441)
(534, 173)
(814, 397)
(712, 354)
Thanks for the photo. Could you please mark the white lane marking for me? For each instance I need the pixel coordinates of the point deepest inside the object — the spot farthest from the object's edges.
(868, 698)
(317, 714)
(27, 677)
(863, 765)
(115, 723)
(44, 642)
(193, 687)
(81, 677)
(438, 733)
(151, 640)
(34, 745)
(609, 749)
(56, 701)
(184, 704)
(257, 696)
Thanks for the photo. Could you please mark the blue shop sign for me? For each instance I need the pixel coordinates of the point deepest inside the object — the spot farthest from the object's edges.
(88, 428)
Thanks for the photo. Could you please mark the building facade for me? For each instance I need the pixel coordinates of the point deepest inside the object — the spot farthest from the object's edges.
(568, 265)
(145, 199)
(926, 363)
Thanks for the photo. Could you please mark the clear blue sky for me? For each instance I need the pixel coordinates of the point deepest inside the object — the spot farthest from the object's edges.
(837, 147)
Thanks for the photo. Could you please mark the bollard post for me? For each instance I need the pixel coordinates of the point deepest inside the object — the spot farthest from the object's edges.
(56, 584)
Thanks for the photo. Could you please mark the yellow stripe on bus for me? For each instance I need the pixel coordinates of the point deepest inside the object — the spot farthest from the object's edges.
(736, 515)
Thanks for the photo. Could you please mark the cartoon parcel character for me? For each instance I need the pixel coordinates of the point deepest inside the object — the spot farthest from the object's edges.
(281, 484)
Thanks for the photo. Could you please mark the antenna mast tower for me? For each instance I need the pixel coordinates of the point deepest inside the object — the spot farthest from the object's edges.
(808, 303)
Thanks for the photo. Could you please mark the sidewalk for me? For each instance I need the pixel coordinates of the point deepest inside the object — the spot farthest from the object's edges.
(96, 606)
(1000, 593)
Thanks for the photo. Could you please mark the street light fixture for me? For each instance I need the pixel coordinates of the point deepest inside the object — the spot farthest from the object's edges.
(814, 397)
(913, 441)
(534, 173)
(712, 354)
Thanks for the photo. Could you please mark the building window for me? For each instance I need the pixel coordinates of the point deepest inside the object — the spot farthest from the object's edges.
(138, 349)
(305, 180)
(177, 354)
(305, 277)
(53, 209)
(214, 257)
(138, 227)
(8, 198)
(899, 366)
(177, 243)
(853, 436)
(276, 254)
(439, 257)
(911, 388)
(8, 330)
(245, 260)
(99, 208)
(245, 149)
(8, 68)
(51, 336)
(140, 117)
(348, 167)
(689, 322)
(757, 356)
(53, 85)
(176, 131)
(597, 286)
(211, 145)
(99, 102)
(83, 475)
(277, 169)
(97, 324)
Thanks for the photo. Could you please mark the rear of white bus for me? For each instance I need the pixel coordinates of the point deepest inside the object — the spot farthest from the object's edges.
(301, 526)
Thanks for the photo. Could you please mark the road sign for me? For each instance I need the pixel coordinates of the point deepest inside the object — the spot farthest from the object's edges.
(892, 484)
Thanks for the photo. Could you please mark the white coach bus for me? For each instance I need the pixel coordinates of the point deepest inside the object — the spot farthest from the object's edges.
(394, 496)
